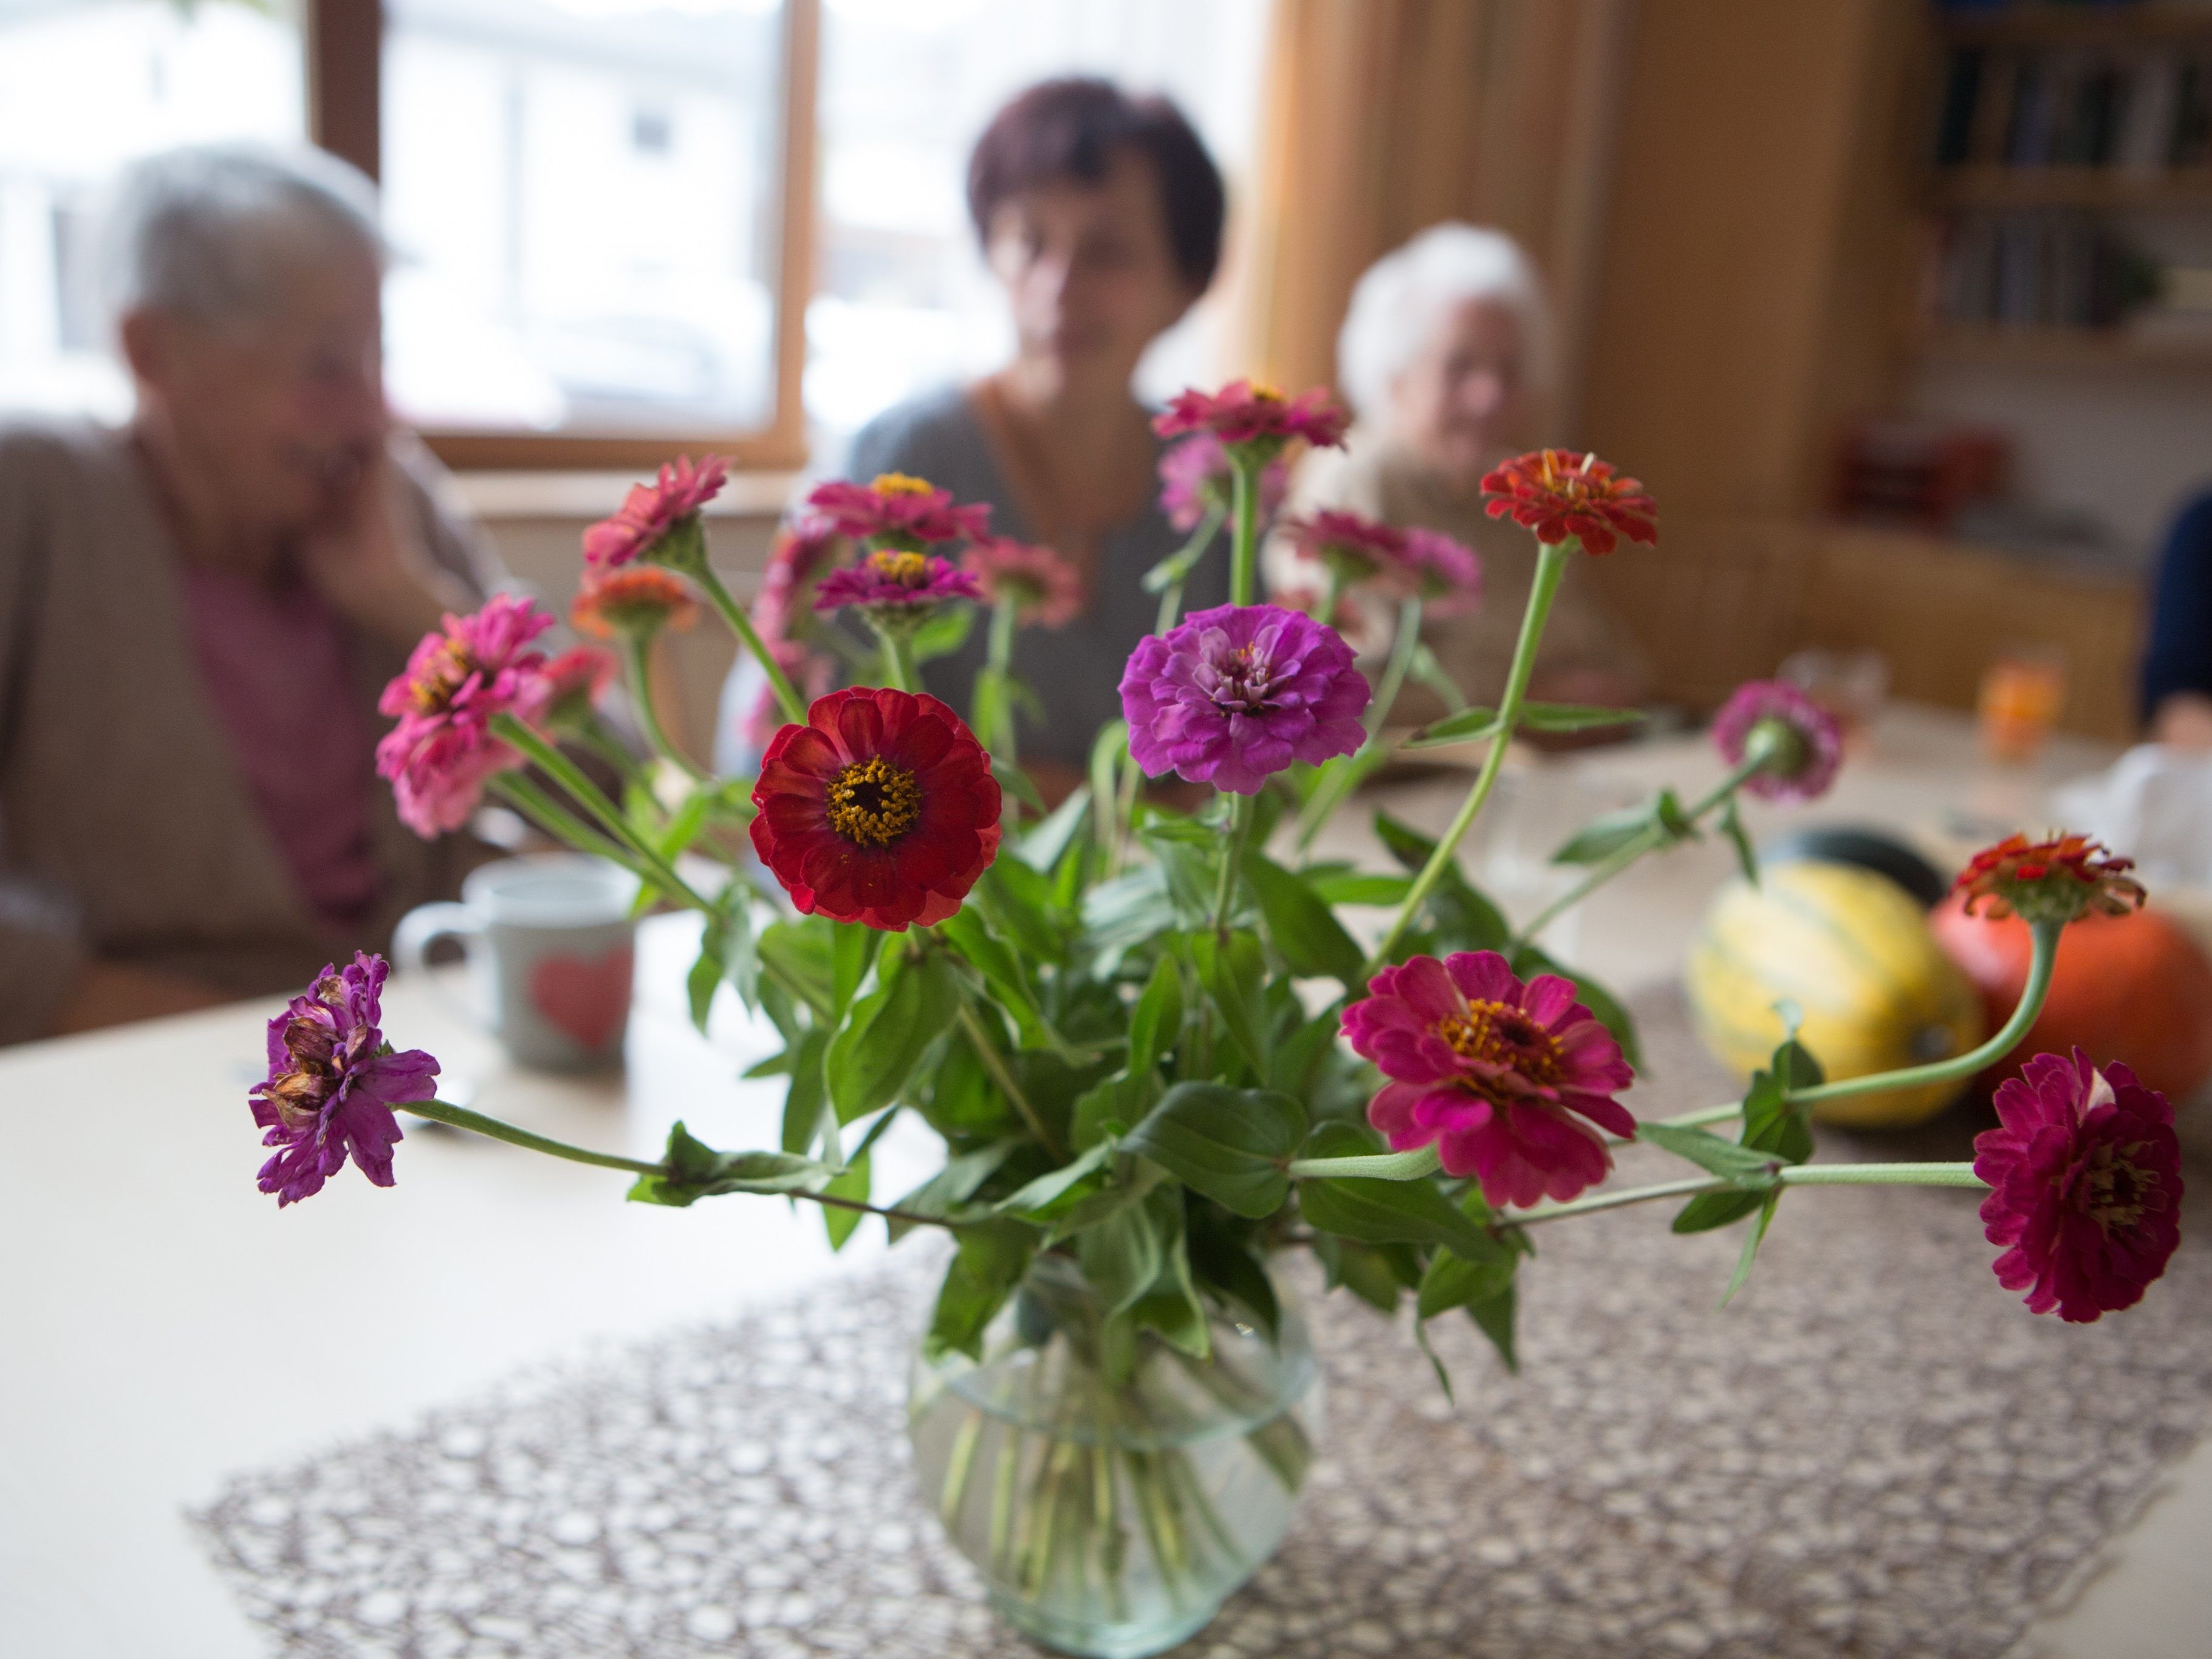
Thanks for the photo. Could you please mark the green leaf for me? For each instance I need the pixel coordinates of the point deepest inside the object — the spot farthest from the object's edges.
(1710, 1210)
(1171, 1306)
(1306, 933)
(1041, 1199)
(1135, 1181)
(798, 954)
(1017, 901)
(1231, 1270)
(707, 970)
(1292, 1062)
(1739, 1165)
(1014, 782)
(1156, 1023)
(1234, 973)
(1576, 716)
(852, 1182)
(943, 634)
(1467, 725)
(1120, 1256)
(1042, 847)
(1359, 887)
(1229, 1144)
(1465, 920)
(1107, 750)
(695, 1171)
(965, 931)
(1451, 1281)
(951, 1186)
(1751, 1242)
(1732, 827)
(853, 951)
(872, 1058)
(1377, 1273)
(807, 1099)
(1375, 1212)
(1494, 1319)
(1426, 669)
(1112, 1108)
(1607, 834)
(990, 1262)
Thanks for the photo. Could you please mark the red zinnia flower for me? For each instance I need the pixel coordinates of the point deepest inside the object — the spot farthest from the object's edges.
(1558, 494)
(1043, 587)
(2057, 879)
(1497, 1073)
(901, 511)
(880, 810)
(654, 514)
(1255, 419)
(632, 599)
(457, 682)
(2085, 1185)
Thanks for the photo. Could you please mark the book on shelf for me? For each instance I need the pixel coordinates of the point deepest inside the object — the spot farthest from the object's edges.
(2142, 109)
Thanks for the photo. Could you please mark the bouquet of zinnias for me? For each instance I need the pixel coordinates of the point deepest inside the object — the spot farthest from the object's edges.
(1156, 1052)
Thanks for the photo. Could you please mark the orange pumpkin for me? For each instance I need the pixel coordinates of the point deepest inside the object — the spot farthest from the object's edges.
(2133, 988)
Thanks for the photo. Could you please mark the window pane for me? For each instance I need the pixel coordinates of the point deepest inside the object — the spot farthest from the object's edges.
(583, 196)
(904, 303)
(86, 86)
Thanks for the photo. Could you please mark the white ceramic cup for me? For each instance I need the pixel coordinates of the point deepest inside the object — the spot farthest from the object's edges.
(551, 941)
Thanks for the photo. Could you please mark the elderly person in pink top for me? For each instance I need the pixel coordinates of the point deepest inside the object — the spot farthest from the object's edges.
(198, 609)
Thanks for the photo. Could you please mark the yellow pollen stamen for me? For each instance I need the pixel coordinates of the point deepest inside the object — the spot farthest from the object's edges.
(1267, 393)
(2116, 1188)
(906, 569)
(901, 484)
(1502, 1035)
(873, 803)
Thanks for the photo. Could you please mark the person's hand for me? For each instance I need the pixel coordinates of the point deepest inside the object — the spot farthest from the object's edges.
(2184, 720)
(117, 993)
(367, 558)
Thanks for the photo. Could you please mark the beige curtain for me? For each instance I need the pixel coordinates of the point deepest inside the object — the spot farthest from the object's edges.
(1383, 117)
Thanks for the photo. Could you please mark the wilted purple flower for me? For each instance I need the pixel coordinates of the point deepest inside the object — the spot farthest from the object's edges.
(1801, 739)
(1238, 692)
(332, 1083)
(1196, 479)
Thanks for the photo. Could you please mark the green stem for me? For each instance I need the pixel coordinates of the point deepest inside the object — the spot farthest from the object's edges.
(999, 662)
(1339, 777)
(1244, 549)
(995, 1064)
(898, 656)
(587, 794)
(558, 821)
(1787, 1175)
(1415, 1165)
(1652, 838)
(649, 716)
(794, 709)
(1232, 857)
(1172, 572)
(594, 735)
(460, 1117)
(1551, 565)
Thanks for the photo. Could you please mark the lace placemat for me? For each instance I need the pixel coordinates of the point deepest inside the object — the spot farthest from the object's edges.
(1873, 1450)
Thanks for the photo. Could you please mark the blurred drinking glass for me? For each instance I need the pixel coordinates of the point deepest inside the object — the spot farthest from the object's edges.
(2022, 691)
(1849, 684)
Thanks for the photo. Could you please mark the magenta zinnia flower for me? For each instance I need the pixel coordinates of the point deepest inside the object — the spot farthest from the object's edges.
(1044, 588)
(332, 1083)
(802, 549)
(1255, 420)
(1498, 1074)
(1404, 563)
(653, 515)
(441, 752)
(2085, 1185)
(1802, 740)
(891, 580)
(898, 511)
(1196, 479)
(1238, 692)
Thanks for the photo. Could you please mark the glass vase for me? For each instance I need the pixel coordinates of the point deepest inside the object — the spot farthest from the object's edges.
(1114, 1491)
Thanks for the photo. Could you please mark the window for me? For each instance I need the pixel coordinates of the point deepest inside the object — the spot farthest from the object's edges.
(86, 88)
(902, 302)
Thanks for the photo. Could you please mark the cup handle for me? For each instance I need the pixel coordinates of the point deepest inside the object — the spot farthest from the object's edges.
(424, 925)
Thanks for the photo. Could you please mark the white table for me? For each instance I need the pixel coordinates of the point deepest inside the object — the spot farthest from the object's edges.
(166, 1325)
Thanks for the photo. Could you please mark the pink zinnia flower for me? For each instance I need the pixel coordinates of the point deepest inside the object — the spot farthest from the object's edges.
(1196, 479)
(575, 680)
(900, 511)
(894, 580)
(440, 753)
(1043, 587)
(2085, 1185)
(1498, 1074)
(802, 549)
(1804, 741)
(332, 1083)
(654, 514)
(1256, 419)
(2058, 878)
(1558, 493)
(1403, 562)
(1239, 692)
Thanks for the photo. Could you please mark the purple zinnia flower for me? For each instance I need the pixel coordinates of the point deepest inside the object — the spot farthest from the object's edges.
(1241, 691)
(332, 1083)
(895, 579)
(1803, 745)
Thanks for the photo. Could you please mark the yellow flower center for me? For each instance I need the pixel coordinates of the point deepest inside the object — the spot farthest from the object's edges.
(1501, 1034)
(906, 569)
(873, 803)
(442, 675)
(2114, 1187)
(1266, 394)
(900, 484)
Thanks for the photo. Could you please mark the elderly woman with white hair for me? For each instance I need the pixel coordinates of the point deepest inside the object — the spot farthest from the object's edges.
(197, 610)
(1446, 357)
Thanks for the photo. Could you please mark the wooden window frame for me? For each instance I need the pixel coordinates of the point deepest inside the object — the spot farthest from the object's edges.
(344, 69)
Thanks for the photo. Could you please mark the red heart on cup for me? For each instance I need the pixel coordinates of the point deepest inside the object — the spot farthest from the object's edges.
(587, 997)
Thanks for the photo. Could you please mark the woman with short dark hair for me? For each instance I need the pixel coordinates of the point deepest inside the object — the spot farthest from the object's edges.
(1101, 216)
